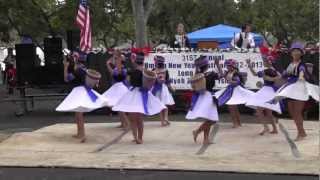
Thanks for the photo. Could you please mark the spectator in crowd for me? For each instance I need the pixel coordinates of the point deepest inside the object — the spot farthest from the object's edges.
(11, 78)
(180, 39)
(243, 39)
(10, 59)
(1, 73)
(311, 59)
(10, 71)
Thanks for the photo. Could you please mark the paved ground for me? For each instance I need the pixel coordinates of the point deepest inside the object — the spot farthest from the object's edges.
(43, 116)
(103, 174)
(169, 148)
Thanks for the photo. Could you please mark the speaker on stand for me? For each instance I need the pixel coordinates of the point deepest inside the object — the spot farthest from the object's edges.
(73, 39)
(53, 68)
(25, 60)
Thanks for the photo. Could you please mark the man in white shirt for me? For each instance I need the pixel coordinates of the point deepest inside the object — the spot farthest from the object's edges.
(243, 39)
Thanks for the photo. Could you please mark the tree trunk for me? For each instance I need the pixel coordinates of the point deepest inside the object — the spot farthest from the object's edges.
(141, 32)
(141, 15)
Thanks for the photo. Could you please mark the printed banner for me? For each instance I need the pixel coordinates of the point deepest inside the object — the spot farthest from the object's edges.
(181, 66)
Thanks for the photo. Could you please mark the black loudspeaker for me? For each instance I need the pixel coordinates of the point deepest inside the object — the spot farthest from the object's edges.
(25, 60)
(53, 61)
(53, 51)
(73, 39)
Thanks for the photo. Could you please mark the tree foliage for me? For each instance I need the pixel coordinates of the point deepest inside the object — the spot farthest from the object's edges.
(117, 21)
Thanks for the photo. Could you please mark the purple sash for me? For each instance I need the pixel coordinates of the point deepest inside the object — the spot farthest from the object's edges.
(70, 77)
(226, 95)
(126, 83)
(91, 94)
(194, 99)
(157, 87)
(124, 73)
(144, 95)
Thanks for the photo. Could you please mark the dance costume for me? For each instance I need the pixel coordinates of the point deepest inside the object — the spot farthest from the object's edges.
(160, 88)
(296, 88)
(139, 99)
(262, 97)
(202, 105)
(119, 88)
(234, 93)
(82, 98)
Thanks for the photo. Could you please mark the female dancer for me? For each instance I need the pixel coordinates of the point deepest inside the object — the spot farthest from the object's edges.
(297, 90)
(161, 88)
(82, 98)
(202, 105)
(234, 93)
(120, 85)
(260, 100)
(139, 100)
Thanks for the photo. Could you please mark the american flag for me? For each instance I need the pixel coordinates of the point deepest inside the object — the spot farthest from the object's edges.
(83, 22)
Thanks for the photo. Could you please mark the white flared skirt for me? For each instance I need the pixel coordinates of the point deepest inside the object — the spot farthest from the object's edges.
(262, 99)
(78, 100)
(115, 93)
(165, 96)
(300, 90)
(240, 95)
(132, 102)
(204, 108)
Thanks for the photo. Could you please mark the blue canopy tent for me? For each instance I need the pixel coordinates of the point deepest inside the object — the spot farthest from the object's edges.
(220, 33)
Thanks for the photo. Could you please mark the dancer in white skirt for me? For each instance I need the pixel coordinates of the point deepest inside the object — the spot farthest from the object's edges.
(202, 105)
(297, 89)
(120, 84)
(139, 100)
(161, 88)
(82, 98)
(234, 94)
(260, 100)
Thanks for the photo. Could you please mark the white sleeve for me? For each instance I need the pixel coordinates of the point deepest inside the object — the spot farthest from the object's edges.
(235, 39)
(251, 41)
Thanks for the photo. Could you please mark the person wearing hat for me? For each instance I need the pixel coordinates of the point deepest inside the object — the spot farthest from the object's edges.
(120, 84)
(260, 99)
(202, 105)
(235, 93)
(82, 98)
(297, 90)
(139, 100)
(161, 88)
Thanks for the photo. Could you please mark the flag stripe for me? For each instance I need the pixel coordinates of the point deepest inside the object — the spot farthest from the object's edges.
(83, 22)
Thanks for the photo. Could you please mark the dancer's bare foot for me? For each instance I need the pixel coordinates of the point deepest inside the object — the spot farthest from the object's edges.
(263, 132)
(139, 141)
(206, 142)
(235, 126)
(77, 136)
(273, 132)
(83, 139)
(120, 126)
(165, 123)
(127, 128)
(300, 137)
(195, 135)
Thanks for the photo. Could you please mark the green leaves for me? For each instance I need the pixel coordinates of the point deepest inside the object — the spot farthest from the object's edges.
(113, 22)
